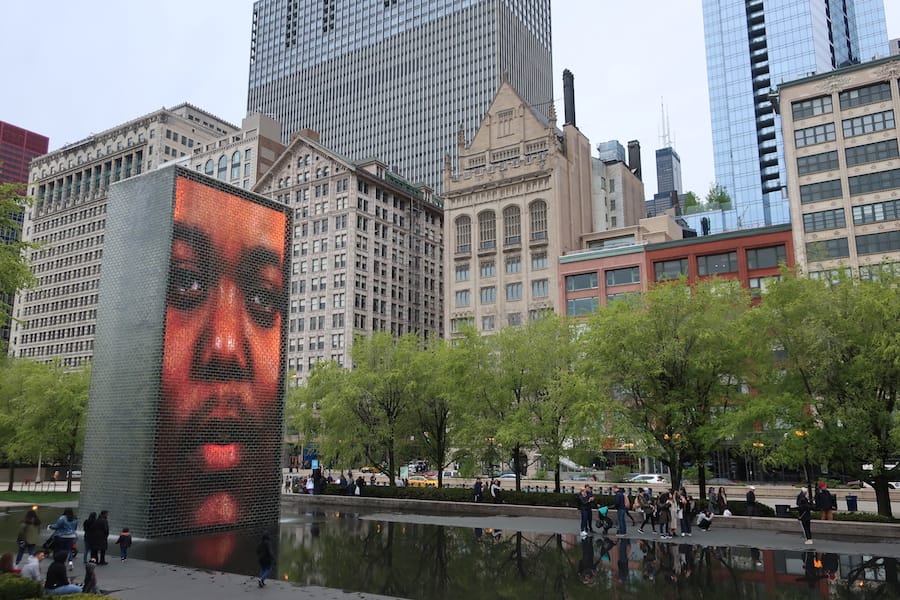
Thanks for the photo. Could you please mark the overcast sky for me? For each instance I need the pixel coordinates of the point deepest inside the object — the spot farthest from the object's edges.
(75, 68)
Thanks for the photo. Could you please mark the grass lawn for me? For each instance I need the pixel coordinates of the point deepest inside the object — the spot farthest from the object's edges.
(38, 497)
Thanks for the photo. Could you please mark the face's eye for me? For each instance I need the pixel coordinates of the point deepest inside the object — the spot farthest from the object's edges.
(187, 288)
(262, 305)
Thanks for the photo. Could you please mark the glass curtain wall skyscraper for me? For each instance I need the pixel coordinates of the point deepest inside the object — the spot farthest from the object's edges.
(396, 79)
(752, 46)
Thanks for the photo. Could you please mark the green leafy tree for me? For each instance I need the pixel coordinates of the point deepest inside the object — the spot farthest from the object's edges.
(691, 200)
(717, 197)
(14, 373)
(14, 270)
(829, 390)
(434, 401)
(672, 360)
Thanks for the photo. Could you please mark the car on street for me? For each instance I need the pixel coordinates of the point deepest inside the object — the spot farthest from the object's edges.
(509, 476)
(421, 481)
(649, 478)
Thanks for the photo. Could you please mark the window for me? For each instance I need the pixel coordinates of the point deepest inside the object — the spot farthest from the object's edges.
(582, 306)
(210, 168)
(623, 276)
(670, 269)
(487, 323)
(488, 295)
(878, 243)
(814, 135)
(514, 264)
(514, 291)
(463, 235)
(538, 213)
(865, 95)
(868, 123)
(538, 260)
(760, 285)
(582, 281)
(236, 165)
(487, 230)
(873, 272)
(826, 219)
(514, 319)
(540, 288)
(763, 258)
(858, 155)
(223, 167)
(463, 298)
(512, 226)
(811, 108)
(874, 213)
(874, 182)
(824, 190)
(717, 263)
(823, 250)
(462, 272)
(815, 163)
(488, 269)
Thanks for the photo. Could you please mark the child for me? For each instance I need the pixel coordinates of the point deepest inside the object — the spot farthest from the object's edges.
(90, 577)
(124, 543)
(603, 519)
(704, 520)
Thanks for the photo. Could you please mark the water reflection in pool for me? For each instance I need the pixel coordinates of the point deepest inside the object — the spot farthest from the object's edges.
(354, 552)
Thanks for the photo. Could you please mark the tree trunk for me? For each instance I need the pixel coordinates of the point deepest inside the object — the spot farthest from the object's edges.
(517, 465)
(556, 478)
(701, 481)
(12, 476)
(882, 497)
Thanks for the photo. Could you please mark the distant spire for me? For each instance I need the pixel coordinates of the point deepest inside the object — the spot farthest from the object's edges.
(665, 138)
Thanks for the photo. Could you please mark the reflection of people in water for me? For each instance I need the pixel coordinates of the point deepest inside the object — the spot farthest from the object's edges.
(812, 572)
(624, 551)
(587, 565)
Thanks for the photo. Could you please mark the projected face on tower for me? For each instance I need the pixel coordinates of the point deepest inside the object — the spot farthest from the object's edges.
(220, 426)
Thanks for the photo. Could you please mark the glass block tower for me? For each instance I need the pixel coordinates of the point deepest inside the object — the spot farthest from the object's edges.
(753, 46)
(395, 79)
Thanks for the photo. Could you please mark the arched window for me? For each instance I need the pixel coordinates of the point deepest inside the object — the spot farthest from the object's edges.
(223, 167)
(512, 226)
(236, 164)
(463, 235)
(210, 168)
(538, 210)
(487, 230)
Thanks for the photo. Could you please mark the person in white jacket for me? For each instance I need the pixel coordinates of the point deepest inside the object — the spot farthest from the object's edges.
(30, 567)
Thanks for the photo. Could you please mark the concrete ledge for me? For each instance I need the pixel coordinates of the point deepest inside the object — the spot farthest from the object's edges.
(837, 530)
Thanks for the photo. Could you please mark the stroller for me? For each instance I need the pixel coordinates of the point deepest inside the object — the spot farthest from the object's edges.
(49, 547)
(603, 521)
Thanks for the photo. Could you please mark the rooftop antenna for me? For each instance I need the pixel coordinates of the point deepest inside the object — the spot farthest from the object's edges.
(665, 137)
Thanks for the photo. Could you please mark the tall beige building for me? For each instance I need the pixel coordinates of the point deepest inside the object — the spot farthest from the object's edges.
(56, 319)
(843, 168)
(518, 197)
(367, 252)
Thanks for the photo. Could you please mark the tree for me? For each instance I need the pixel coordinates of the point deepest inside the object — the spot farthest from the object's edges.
(13, 399)
(434, 400)
(691, 200)
(672, 359)
(829, 392)
(717, 197)
(14, 270)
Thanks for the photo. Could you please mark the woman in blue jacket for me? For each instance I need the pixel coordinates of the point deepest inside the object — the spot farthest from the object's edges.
(65, 533)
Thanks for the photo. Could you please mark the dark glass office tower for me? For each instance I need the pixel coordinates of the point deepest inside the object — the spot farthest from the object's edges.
(395, 79)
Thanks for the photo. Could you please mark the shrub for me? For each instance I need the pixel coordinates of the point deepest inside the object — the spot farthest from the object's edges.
(14, 587)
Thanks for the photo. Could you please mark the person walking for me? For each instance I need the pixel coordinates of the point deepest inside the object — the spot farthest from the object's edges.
(712, 499)
(721, 501)
(495, 491)
(804, 508)
(621, 505)
(751, 501)
(649, 510)
(825, 502)
(29, 534)
(478, 489)
(688, 512)
(265, 555)
(664, 515)
(65, 533)
(585, 499)
(124, 543)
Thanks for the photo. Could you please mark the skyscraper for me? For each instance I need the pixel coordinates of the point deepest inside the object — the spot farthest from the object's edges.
(395, 80)
(752, 46)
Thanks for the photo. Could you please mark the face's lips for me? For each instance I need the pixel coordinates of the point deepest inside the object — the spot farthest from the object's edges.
(217, 509)
(220, 457)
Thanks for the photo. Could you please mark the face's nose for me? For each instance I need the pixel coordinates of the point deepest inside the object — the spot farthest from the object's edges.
(223, 354)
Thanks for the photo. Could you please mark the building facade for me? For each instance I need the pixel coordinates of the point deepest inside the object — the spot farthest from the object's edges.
(57, 318)
(366, 253)
(842, 153)
(594, 277)
(752, 47)
(618, 195)
(366, 74)
(517, 197)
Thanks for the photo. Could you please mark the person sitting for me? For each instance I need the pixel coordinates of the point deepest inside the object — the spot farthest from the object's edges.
(57, 582)
(7, 565)
(704, 519)
(30, 567)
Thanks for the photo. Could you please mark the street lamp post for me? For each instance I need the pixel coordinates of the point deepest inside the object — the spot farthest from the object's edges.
(805, 435)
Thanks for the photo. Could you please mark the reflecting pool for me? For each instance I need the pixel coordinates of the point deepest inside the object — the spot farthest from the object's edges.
(363, 552)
